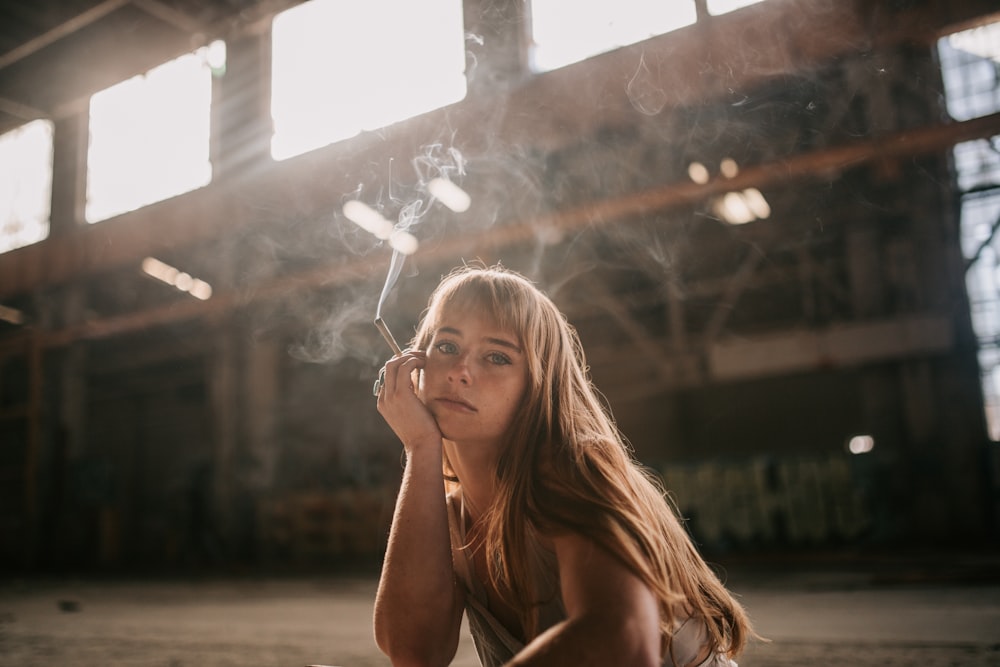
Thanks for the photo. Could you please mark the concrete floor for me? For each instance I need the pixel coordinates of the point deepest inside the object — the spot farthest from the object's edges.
(931, 614)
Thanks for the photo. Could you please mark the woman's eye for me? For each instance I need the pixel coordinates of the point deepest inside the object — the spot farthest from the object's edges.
(498, 358)
(446, 347)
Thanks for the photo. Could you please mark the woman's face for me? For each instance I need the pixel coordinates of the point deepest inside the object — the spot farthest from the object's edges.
(475, 378)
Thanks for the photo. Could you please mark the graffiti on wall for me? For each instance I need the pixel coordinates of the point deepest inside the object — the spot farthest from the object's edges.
(770, 501)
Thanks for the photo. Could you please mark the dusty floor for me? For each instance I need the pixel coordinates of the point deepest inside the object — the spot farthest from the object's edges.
(828, 617)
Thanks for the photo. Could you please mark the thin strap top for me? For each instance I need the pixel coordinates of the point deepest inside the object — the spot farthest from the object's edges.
(496, 645)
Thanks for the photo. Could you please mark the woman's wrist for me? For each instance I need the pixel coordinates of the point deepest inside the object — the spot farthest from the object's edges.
(425, 447)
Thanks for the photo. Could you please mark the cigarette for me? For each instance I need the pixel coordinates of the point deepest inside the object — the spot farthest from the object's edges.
(384, 330)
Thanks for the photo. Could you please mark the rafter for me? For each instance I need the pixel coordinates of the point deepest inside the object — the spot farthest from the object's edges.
(820, 164)
(62, 30)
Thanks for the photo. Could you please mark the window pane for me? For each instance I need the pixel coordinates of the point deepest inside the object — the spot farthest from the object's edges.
(716, 7)
(25, 184)
(343, 67)
(970, 62)
(567, 31)
(969, 67)
(149, 137)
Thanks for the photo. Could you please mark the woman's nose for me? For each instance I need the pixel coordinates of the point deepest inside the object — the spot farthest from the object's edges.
(459, 371)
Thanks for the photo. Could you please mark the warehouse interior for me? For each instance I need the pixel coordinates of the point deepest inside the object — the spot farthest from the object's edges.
(773, 227)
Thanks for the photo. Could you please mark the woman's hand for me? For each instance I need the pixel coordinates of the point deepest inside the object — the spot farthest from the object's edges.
(419, 605)
(400, 406)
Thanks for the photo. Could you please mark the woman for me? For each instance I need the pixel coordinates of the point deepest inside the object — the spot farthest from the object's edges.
(522, 506)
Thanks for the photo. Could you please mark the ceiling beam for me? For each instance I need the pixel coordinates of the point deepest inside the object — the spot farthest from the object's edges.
(22, 111)
(824, 164)
(170, 15)
(737, 284)
(649, 346)
(62, 30)
(521, 114)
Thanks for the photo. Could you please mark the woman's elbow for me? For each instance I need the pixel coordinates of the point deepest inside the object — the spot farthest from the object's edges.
(641, 653)
(607, 639)
(635, 641)
(406, 650)
(412, 656)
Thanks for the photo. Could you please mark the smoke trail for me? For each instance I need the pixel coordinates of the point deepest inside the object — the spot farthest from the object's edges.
(409, 216)
(435, 163)
(644, 91)
(395, 267)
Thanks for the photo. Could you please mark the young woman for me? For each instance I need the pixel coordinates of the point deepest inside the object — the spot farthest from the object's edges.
(522, 506)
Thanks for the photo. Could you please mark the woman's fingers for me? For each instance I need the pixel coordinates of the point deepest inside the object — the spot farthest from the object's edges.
(399, 404)
(398, 370)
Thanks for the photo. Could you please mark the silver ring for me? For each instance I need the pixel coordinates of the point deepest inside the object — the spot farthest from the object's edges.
(378, 383)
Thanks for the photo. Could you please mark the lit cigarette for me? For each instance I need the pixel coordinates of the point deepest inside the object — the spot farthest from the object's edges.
(384, 330)
(449, 194)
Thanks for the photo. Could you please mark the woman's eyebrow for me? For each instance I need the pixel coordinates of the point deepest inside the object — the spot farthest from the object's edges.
(503, 342)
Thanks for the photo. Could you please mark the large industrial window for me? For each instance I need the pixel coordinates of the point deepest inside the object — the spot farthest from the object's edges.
(25, 184)
(970, 66)
(717, 7)
(149, 135)
(342, 67)
(568, 31)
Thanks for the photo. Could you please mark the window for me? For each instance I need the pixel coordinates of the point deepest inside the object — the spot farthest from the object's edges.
(970, 67)
(970, 61)
(149, 136)
(568, 31)
(342, 67)
(25, 184)
(717, 7)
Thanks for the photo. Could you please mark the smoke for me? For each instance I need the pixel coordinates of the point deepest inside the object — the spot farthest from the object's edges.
(372, 219)
(644, 90)
(436, 162)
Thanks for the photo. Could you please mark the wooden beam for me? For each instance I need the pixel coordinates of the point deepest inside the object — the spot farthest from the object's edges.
(737, 284)
(747, 357)
(715, 59)
(648, 346)
(22, 111)
(739, 50)
(62, 30)
(840, 345)
(174, 17)
(822, 164)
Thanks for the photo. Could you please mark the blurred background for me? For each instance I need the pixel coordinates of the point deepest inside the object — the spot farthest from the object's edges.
(773, 224)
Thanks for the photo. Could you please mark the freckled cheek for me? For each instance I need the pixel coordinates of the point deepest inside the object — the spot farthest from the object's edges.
(513, 400)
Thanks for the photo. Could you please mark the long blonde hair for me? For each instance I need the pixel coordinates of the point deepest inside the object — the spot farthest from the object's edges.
(566, 467)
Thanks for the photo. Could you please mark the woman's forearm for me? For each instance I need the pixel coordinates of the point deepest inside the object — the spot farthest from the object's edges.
(417, 615)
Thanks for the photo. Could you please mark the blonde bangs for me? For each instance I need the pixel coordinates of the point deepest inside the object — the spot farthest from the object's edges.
(493, 294)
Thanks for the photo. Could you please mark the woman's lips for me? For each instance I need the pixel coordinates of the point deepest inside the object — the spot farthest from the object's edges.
(455, 404)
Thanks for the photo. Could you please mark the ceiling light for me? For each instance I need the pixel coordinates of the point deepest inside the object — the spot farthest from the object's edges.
(757, 204)
(449, 194)
(698, 173)
(733, 208)
(170, 275)
(368, 219)
(861, 444)
(12, 315)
